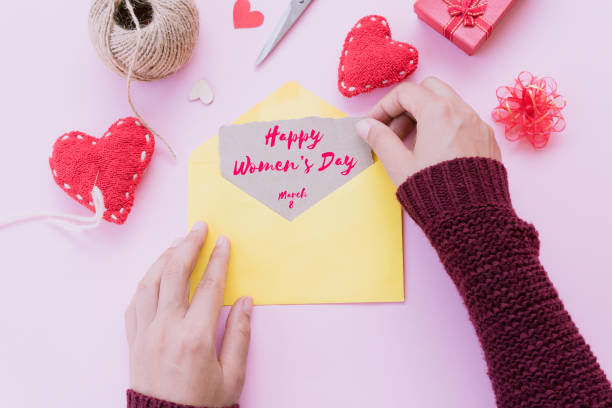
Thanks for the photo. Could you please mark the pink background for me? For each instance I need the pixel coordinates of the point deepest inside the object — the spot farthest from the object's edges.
(63, 295)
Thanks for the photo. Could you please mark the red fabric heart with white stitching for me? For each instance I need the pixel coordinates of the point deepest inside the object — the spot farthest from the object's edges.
(372, 59)
(115, 163)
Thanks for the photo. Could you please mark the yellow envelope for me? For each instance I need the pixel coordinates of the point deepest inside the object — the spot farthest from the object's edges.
(347, 248)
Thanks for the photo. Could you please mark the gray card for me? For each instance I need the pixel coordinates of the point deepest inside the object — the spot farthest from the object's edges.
(290, 165)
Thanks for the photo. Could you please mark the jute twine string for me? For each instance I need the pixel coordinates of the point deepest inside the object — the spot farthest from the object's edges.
(147, 52)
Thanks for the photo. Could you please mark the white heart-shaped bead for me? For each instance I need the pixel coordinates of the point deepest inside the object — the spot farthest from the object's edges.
(202, 91)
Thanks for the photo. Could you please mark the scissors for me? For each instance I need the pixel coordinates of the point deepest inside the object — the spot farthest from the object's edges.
(294, 11)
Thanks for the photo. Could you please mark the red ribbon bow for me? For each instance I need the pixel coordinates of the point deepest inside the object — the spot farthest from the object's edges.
(466, 12)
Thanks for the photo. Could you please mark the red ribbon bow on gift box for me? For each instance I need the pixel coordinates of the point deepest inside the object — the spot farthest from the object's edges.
(466, 12)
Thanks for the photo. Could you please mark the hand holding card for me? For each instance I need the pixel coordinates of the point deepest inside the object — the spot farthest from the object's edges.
(298, 235)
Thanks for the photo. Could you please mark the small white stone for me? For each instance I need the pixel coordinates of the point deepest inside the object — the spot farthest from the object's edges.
(114, 217)
(66, 186)
(368, 86)
(54, 173)
(65, 137)
(345, 53)
(385, 81)
(350, 39)
(80, 137)
(135, 176)
(351, 89)
(137, 123)
(373, 18)
(93, 143)
(358, 25)
(147, 137)
(402, 72)
(79, 197)
(143, 156)
(127, 195)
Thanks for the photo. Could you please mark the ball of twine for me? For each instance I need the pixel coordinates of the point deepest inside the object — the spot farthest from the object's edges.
(144, 40)
(156, 36)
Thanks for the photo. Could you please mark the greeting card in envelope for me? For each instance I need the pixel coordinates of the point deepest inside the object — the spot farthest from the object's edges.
(312, 217)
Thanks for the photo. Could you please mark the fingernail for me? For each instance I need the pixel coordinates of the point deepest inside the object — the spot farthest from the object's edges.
(363, 128)
(198, 226)
(176, 242)
(222, 241)
(247, 305)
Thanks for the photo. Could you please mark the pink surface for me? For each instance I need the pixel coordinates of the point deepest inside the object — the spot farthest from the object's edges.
(63, 295)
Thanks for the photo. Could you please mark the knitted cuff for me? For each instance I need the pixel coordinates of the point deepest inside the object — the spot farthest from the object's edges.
(137, 400)
(452, 186)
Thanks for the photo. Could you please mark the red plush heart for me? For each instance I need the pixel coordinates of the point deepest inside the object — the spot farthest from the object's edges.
(244, 17)
(115, 163)
(372, 59)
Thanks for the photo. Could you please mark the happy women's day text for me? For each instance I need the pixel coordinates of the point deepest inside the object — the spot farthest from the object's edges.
(307, 140)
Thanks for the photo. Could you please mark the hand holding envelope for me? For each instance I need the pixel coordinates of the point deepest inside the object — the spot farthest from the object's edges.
(305, 232)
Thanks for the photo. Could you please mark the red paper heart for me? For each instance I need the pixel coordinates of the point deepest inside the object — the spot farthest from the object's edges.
(115, 163)
(372, 59)
(244, 17)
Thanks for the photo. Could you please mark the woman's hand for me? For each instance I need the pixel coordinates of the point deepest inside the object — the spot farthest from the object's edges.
(447, 128)
(172, 348)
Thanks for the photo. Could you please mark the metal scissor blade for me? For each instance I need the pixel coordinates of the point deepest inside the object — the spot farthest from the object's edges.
(293, 12)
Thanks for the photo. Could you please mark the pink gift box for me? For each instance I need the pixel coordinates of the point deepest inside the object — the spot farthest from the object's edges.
(467, 23)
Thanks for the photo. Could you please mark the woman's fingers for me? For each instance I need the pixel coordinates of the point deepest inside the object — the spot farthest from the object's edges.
(447, 93)
(174, 287)
(208, 297)
(402, 125)
(395, 157)
(442, 89)
(406, 97)
(235, 347)
(147, 293)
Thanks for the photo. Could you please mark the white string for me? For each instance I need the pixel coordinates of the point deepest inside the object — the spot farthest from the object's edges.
(131, 71)
(69, 222)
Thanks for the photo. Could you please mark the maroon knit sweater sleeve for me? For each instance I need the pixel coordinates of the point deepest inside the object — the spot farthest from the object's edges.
(535, 355)
(137, 400)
